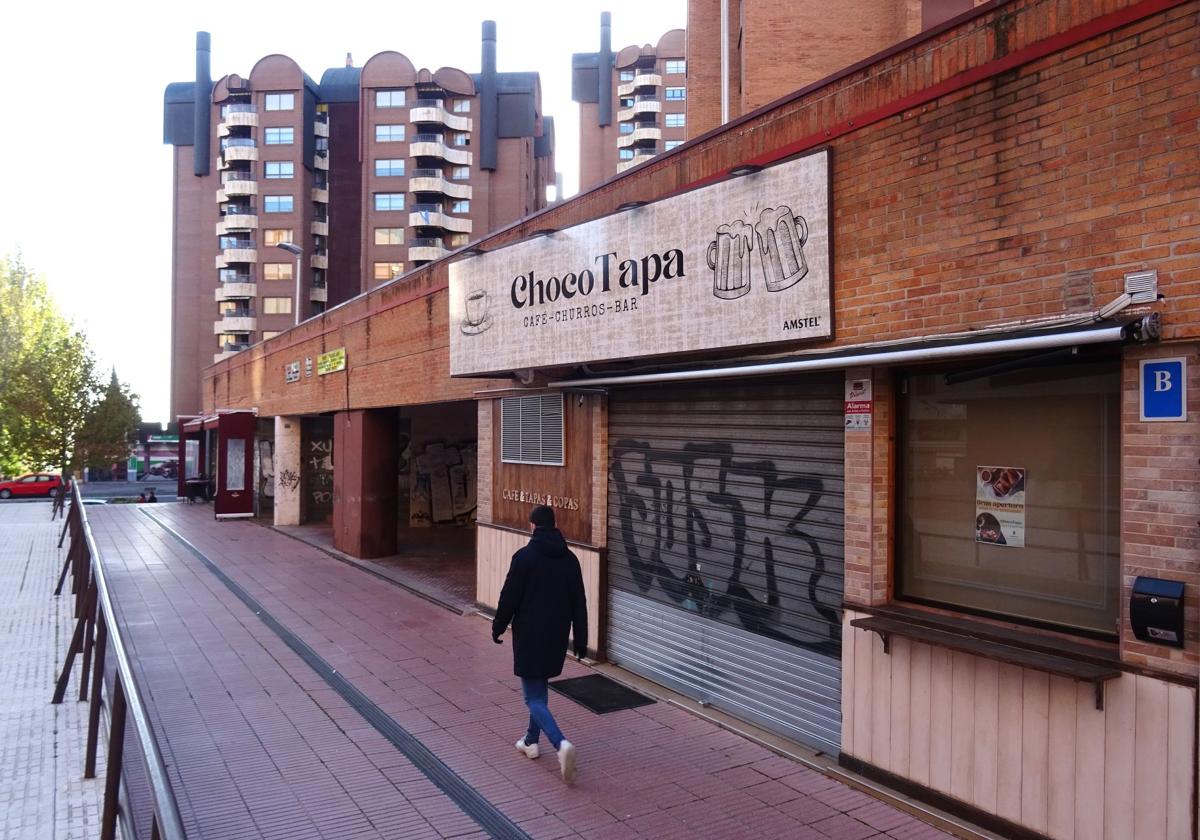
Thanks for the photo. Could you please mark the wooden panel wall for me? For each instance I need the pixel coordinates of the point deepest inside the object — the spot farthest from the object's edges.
(1027, 746)
(494, 549)
(572, 481)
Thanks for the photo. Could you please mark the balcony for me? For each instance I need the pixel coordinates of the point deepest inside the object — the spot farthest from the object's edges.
(319, 228)
(319, 260)
(433, 181)
(237, 219)
(236, 182)
(433, 145)
(237, 148)
(426, 248)
(641, 105)
(639, 81)
(234, 119)
(639, 135)
(318, 294)
(321, 195)
(434, 111)
(629, 164)
(244, 290)
(235, 251)
(432, 215)
(320, 129)
(321, 161)
(237, 322)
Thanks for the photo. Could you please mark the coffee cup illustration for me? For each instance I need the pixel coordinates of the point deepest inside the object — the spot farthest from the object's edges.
(477, 318)
(729, 258)
(781, 236)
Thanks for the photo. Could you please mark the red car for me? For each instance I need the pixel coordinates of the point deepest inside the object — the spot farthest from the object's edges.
(34, 484)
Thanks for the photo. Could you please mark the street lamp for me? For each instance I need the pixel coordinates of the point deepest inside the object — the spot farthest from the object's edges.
(292, 248)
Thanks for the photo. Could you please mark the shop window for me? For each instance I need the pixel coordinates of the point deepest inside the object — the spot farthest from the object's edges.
(531, 429)
(1009, 493)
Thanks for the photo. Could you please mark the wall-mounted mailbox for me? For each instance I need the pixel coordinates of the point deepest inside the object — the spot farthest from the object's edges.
(1156, 611)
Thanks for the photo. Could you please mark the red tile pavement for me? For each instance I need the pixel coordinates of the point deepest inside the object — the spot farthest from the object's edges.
(260, 745)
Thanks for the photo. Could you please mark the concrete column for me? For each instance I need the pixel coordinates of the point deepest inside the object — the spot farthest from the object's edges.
(366, 457)
(287, 470)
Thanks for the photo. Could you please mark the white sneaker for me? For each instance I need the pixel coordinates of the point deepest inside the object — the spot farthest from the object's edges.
(566, 761)
(530, 750)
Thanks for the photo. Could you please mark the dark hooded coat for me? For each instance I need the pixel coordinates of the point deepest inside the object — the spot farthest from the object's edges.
(543, 598)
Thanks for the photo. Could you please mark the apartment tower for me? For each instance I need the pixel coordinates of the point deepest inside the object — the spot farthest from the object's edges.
(291, 196)
(631, 103)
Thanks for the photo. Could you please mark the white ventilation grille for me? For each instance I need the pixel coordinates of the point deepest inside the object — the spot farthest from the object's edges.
(1143, 285)
(531, 430)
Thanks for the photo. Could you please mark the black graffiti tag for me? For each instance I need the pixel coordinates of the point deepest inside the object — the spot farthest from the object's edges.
(679, 508)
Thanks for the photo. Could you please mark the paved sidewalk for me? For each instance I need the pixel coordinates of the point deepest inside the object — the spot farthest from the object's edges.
(260, 745)
(42, 790)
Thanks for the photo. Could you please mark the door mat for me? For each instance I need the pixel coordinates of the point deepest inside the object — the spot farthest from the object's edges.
(600, 694)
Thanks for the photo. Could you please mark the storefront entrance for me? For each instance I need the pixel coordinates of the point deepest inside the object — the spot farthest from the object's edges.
(725, 538)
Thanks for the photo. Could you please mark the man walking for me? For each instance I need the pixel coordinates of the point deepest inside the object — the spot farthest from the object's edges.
(543, 598)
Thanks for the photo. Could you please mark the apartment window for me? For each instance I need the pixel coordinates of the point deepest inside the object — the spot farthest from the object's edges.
(277, 271)
(461, 138)
(389, 133)
(531, 429)
(269, 334)
(626, 128)
(675, 93)
(462, 106)
(671, 144)
(388, 270)
(458, 240)
(279, 136)
(281, 101)
(279, 169)
(389, 201)
(461, 206)
(676, 65)
(460, 173)
(626, 75)
(389, 236)
(278, 203)
(625, 154)
(627, 103)
(273, 236)
(388, 167)
(389, 99)
(277, 306)
(674, 121)
(1009, 490)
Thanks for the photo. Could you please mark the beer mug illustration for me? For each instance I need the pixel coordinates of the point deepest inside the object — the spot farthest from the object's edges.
(729, 259)
(781, 236)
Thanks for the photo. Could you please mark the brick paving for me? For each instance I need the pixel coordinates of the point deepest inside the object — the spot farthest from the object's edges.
(260, 746)
(42, 790)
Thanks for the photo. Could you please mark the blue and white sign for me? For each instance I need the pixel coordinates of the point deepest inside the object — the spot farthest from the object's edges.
(1164, 389)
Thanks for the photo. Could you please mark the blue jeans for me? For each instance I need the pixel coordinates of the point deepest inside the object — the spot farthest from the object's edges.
(540, 720)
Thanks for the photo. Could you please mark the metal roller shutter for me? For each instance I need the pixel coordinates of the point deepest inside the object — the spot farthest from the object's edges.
(725, 548)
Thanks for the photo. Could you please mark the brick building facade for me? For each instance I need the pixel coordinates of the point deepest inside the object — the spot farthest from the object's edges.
(1012, 232)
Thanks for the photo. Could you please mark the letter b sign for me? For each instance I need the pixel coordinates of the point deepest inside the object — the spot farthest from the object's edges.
(1163, 388)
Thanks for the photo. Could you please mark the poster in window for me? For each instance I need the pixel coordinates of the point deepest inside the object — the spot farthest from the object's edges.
(235, 464)
(1000, 506)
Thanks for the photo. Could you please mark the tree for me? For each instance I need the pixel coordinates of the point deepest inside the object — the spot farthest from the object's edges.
(47, 379)
(111, 427)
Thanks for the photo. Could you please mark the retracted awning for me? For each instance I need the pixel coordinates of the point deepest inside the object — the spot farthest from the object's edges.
(922, 350)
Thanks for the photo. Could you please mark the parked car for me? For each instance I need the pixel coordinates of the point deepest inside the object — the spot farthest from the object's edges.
(34, 484)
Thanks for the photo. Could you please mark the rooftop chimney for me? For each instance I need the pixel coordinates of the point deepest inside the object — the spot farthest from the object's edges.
(488, 99)
(349, 60)
(202, 102)
(605, 68)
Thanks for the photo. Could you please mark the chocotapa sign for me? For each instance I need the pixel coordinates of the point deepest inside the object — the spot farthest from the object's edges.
(744, 261)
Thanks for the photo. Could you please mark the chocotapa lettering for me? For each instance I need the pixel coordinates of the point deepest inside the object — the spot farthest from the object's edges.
(530, 290)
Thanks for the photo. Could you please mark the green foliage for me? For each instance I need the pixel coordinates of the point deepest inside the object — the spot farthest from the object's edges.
(48, 386)
(111, 427)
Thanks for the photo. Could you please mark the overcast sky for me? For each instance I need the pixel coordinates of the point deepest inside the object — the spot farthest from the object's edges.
(86, 192)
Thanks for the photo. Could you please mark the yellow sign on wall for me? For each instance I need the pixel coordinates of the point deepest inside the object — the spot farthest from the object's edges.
(332, 361)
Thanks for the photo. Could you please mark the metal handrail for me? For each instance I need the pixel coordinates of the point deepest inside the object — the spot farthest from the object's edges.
(95, 615)
(429, 103)
(237, 141)
(427, 208)
(237, 108)
(429, 138)
(426, 242)
(427, 173)
(238, 175)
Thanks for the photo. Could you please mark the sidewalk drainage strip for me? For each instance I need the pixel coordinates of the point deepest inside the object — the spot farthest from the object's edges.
(474, 805)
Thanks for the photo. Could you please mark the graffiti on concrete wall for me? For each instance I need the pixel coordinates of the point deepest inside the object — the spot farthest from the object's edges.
(318, 475)
(289, 480)
(735, 539)
(441, 483)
